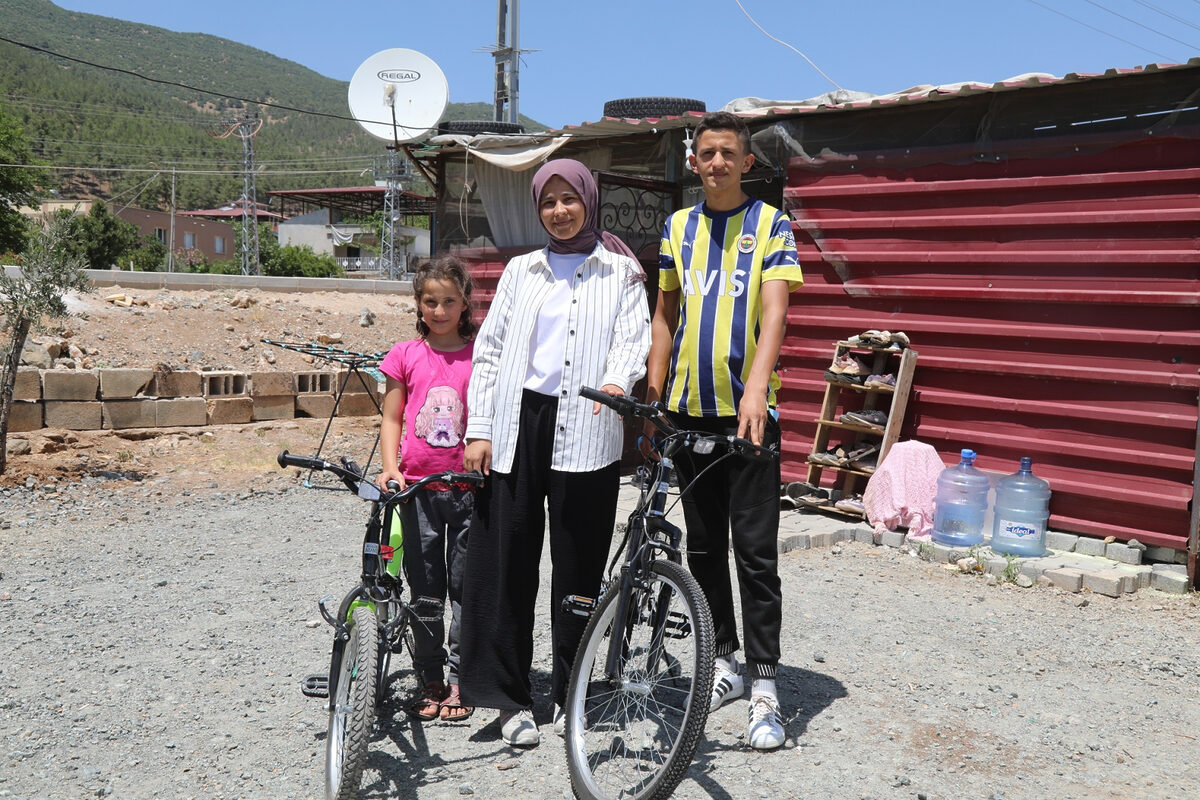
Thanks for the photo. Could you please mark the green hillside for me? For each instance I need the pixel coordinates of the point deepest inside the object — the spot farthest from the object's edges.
(112, 123)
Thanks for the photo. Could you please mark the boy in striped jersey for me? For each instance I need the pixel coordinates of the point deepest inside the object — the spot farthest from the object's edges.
(726, 267)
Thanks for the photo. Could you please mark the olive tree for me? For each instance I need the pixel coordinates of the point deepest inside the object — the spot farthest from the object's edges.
(49, 270)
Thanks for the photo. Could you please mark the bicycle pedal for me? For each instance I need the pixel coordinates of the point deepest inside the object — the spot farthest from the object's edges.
(579, 605)
(315, 686)
(677, 626)
(428, 609)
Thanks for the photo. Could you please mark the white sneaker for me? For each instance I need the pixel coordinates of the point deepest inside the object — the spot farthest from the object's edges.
(766, 728)
(560, 720)
(726, 686)
(518, 728)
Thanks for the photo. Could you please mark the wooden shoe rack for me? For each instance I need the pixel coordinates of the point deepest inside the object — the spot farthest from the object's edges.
(842, 397)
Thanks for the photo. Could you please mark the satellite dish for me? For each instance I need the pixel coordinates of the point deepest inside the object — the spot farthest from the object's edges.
(398, 95)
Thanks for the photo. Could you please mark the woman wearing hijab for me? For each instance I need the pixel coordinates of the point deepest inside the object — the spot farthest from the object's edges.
(569, 315)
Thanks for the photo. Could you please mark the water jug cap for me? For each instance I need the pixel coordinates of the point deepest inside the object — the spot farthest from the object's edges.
(1026, 463)
(968, 455)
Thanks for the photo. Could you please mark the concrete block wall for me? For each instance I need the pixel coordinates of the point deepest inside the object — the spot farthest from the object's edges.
(116, 399)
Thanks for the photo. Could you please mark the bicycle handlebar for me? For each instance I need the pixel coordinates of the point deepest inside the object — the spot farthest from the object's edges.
(354, 481)
(631, 408)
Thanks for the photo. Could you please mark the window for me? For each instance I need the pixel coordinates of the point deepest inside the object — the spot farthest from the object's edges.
(161, 234)
(219, 245)
(189, 241)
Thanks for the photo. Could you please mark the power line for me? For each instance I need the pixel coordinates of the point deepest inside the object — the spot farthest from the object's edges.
(1175, 17)
(1140, 25)
(231, 173)
(785, 44)
(1099, 30)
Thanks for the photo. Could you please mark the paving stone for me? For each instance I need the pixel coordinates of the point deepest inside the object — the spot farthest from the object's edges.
(1163, 554)
(1061, 541)
(180, 412)
(864, 535)
(1123, 553)
(945, 554)
(69, 384)
(122, 414)
(229, 410)
(223, 383)
(995, 566)
(123, 384)
(1065, 578)
(274, 407)
(24, 415)
(823, 539)
(72, 416)
(1107, 582)
(1034, 567)
(272, 384)
(798, 541)
(1169, 581)
(893, 539)
(1089, 546)
(1142, 574)
(178, 383)
(28, 385)
(314, 405)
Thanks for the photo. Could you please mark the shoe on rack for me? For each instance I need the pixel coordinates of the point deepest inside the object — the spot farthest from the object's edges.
(867, 419)
(560, 720)
(766, 727)
(726, 686)
(518, 728)
(887, 381)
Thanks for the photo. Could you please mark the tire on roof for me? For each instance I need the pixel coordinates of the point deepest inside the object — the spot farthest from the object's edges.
(474, 126)
(638, 107)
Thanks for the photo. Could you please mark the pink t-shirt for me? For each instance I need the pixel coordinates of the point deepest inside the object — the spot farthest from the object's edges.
(435, 414)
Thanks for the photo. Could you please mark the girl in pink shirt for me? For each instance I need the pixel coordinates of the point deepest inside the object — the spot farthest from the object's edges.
(427, 381)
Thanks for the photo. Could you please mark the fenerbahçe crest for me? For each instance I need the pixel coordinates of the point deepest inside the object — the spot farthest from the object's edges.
(746, 243)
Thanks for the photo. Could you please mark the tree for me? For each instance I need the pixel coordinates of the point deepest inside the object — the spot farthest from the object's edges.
(108, 239)
(48, 271)
(17, 185)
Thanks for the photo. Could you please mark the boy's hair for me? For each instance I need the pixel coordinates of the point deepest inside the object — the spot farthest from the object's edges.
(724, 121)
(450, 269)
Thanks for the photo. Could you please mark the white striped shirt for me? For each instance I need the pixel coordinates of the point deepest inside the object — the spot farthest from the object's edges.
(607, 341)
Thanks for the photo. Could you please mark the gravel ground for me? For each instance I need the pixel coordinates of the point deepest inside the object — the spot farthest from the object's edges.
(156, 632)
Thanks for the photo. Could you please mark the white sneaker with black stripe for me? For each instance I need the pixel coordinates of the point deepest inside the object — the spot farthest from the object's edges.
(726, 686)
(766, 728)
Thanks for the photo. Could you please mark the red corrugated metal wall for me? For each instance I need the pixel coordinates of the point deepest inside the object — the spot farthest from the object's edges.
(1054, 304)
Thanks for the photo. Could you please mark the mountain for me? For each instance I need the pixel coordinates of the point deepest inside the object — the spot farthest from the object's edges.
(101, 121)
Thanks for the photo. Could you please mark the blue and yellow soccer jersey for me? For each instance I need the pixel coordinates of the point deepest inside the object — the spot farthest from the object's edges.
(719, 260)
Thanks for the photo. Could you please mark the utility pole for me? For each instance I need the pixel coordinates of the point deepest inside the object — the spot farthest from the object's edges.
(508, 57)
(245, 128)
(171, 234)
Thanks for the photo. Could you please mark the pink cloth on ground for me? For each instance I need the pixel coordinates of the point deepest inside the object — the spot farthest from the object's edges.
(902, 489)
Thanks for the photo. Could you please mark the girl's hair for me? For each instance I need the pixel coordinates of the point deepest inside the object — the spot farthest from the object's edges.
(450, 269)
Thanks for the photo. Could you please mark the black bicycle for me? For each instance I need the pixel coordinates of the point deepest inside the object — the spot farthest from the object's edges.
(372, 622)
(639, 691)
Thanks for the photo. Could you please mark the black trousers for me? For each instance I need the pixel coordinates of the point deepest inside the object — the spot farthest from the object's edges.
(742, 495)
(502, 567)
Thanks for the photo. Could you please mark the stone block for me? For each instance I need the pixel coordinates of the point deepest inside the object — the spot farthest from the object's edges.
(893, 539)
(120, 414)
(1089, 546)
(1064, 542)
(24, 415)
(357, 382)
(124, 384)
(73, 416)
(180, 412)
(1106, 582)
(357, 405)
(1170, 578)
(1123, 553)
(178, 383)
(315, 405)
(995, 566)
(224, 384)
(28, 385)
(1164, 554)
(274, 407)
(1033, 567)
(230, 410)
(272, 384)
(823, 539)
(945, 554)
(1141, 573)
(864, 535)
(314, 382)
(1065, 578)
(70, 384)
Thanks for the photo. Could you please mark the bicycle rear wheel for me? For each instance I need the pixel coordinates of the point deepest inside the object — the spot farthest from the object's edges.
(634, 735)
(352, 708)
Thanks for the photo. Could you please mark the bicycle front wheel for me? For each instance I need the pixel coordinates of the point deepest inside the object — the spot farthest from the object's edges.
(352, 708)
(633, 734)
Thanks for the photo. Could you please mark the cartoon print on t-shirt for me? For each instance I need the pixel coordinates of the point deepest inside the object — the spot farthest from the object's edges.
(440, 420)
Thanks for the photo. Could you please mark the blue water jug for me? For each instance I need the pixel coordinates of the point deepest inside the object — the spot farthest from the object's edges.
(961, 503)
(1021, 511)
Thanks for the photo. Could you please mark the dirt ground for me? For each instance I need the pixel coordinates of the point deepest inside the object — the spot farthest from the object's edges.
(204, 330)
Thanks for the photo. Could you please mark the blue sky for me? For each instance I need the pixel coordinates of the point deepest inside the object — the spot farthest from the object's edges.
(587, 53)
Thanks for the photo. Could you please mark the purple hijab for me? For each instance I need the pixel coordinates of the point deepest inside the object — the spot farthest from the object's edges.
(579, 178)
